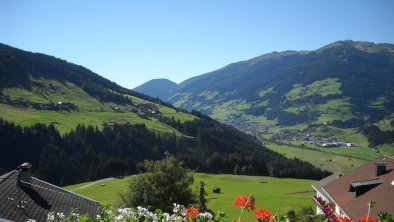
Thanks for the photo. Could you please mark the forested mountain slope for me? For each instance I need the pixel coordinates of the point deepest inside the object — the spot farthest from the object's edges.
(74, 125)
(346, 82)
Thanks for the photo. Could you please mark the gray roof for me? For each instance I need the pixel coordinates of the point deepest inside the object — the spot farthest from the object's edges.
(319, 185)
(20, 204)
(367, 182)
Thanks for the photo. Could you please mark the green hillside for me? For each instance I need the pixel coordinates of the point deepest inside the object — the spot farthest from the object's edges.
(33, 90)
(341, 81)
(342, 87)
(270, 193)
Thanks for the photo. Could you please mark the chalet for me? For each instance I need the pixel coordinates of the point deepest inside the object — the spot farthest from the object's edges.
(24, 197)
(349, 194)
(330, 145)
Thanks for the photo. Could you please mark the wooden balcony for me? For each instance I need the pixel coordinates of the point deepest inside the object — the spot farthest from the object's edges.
(328, 209)
(318, 201)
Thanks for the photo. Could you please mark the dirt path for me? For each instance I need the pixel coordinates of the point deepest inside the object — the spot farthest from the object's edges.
(91, 184)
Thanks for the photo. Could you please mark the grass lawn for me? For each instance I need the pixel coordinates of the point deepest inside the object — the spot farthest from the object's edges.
(270, 193)
(325, 161)
(75, 186)
(109, 193)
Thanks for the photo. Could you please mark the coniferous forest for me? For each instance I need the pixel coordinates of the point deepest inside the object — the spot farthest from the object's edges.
(88, 153)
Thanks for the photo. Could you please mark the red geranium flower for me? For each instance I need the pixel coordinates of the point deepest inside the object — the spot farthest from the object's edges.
(192, 212)
(370, 219)
(263, 215)
(343, 219)
(245, 202)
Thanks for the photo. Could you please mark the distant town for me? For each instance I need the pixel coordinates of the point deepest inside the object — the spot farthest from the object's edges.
(290, 135)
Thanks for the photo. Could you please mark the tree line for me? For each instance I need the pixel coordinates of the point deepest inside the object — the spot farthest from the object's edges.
(376, 136)
(90, 153)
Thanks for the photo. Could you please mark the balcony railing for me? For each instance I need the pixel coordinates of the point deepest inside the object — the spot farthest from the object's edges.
(328, 209)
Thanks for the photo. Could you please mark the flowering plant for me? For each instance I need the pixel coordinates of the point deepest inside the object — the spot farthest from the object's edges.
(190, 214)
(140, 214)
(263, 215)
(343, 219)
(247, 202)
(368, 218)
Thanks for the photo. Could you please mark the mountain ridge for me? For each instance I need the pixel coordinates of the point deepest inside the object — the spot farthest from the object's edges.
(263, 72)
(344, 84)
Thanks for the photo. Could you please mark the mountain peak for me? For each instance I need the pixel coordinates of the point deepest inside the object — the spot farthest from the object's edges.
(276, 55)
(160, 88)
(368, 47)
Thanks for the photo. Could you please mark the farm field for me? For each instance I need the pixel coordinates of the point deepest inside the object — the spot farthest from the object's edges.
(355, 152)
(270, 193)
(326, 161)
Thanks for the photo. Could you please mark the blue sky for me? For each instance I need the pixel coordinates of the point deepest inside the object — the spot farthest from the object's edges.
(131, 42)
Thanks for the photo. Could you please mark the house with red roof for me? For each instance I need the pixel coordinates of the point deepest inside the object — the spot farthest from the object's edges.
(349, 194)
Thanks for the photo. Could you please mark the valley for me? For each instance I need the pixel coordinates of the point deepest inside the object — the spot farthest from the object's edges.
(270, 193)
(326, 99)
(73, 125)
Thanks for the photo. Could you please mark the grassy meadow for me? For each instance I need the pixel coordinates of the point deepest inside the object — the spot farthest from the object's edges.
(90, 110)
(270, 193)
(326, 161)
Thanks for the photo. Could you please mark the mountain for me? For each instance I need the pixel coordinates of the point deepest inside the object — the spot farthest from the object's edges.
(74, 125)
(39, 88)
(160, 88)
(344, 83)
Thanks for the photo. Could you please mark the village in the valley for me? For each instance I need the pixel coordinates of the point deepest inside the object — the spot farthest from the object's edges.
(283, 135)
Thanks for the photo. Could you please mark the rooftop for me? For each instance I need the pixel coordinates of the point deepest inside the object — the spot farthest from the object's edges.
(376, 188)
(18, 203)
(367, 182)
(319, 185)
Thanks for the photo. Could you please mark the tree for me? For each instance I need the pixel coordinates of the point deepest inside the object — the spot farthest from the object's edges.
(291, 215)
(307, 214)
(165, 182)
(237, 170)
(202, 201)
